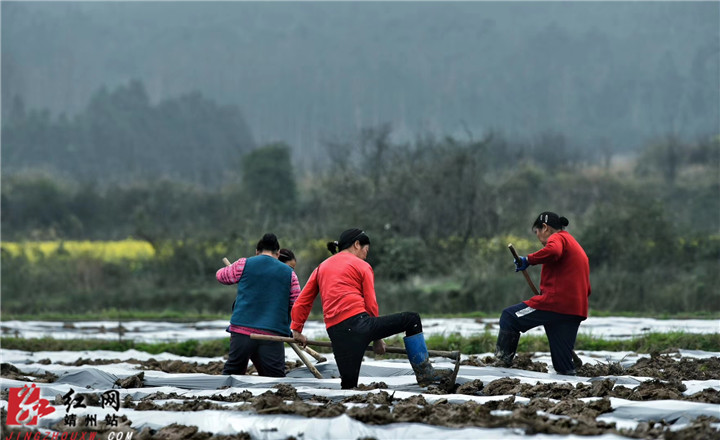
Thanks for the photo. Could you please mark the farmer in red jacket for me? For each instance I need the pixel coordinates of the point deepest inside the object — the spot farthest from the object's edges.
(346, 284)
(563, 300)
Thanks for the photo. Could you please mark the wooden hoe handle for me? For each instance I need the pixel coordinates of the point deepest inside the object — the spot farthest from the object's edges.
(527, 276)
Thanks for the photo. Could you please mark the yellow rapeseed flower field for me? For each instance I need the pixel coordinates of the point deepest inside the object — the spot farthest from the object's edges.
(110, 251)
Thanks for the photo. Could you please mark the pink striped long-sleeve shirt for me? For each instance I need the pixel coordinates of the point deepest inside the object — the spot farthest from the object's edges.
(231, 275)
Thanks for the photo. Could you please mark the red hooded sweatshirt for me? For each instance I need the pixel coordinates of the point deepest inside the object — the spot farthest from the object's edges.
(565, 276)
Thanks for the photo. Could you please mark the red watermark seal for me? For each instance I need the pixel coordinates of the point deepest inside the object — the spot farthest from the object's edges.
(25, 406)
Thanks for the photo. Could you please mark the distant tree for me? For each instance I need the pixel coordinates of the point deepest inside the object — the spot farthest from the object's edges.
(703, 85)
(375, 148)
(664, 157)
(553, 151)
(668, 92)
(269, 181)
(121, 136)
(706, 152)
(633, 234)
(16, 112)
(38, 204)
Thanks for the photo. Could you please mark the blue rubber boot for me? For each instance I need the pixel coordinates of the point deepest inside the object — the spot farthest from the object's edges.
(418, 356)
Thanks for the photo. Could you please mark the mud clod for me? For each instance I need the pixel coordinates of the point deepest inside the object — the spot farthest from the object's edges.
(135, 381)
(473, 361)
(381, 398)
(580, 410)
(372, 415)
(602, 388)
(9, 371)
(267, 400)
(708, 395)
(245, 396)
(286, 391)
(505, 385)
(548, 390)
(667, 367)
(372, 386)
(524, 361)
(163, 396)
(308, 410)
(601, 369)
(178, 366)
(409, 413)
(417, 399)
(658, 390)
(472, 388)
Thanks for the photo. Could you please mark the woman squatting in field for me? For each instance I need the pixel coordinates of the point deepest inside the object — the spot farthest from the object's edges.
(267, 289)
(563, 300)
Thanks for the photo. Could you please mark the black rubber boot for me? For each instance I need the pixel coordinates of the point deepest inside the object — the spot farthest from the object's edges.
(506, 347)
(417, 352)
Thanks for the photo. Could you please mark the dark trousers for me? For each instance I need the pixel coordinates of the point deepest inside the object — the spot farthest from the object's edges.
(267, 356)
(351, 337)
(561, 331)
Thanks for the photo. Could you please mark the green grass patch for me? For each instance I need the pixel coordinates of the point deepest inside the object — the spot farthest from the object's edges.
(702, 314)
(120, 315)
(651, 342)
(210, 348)
(190, 316)
(481, 343)
(593, 313)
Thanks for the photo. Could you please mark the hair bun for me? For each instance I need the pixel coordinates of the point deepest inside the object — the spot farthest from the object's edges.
(564, 221)
(268, 242)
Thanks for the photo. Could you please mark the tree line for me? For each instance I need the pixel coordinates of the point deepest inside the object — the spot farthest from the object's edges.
(122, 136)
(439, 212)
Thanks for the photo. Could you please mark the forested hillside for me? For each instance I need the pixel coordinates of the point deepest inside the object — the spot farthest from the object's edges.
(606, 75)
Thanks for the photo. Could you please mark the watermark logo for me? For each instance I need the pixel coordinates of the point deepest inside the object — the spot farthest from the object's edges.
(25, 406)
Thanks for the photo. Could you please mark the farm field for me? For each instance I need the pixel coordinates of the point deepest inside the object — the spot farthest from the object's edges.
(615, 395)
(153, 331)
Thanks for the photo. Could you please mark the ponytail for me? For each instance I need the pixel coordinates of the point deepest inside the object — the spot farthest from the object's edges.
(332, 246)
(347, 239)
(551, 219)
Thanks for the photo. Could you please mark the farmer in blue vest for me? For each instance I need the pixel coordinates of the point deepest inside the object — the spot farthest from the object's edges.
(267, 289)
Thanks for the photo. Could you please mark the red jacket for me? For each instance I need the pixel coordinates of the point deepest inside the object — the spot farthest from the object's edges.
(565, 276)
(346, 285)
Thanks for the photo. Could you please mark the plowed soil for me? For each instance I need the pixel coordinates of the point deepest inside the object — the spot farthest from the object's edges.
(553, 408)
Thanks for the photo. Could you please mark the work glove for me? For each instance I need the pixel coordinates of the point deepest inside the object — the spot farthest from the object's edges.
(521, 264)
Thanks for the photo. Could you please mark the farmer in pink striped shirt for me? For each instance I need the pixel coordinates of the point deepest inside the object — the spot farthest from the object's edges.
(266, 292)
